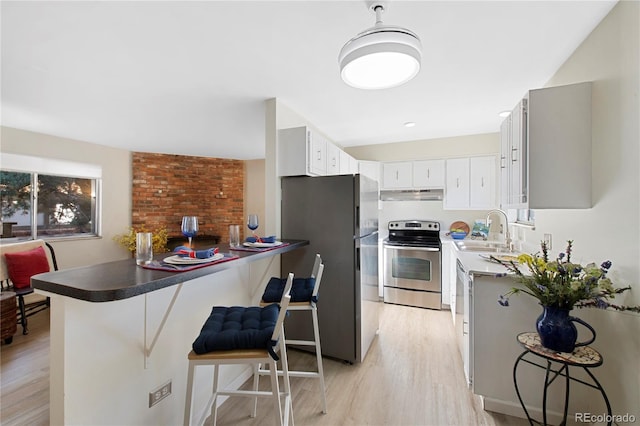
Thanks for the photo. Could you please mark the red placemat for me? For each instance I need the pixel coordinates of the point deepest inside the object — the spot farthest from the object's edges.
(243, 248)
(169, 267)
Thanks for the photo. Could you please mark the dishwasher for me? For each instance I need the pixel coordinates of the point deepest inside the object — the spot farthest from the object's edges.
(463, 314)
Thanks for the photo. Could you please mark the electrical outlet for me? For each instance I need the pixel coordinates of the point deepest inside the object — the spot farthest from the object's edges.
(159, 394)
(547, 241)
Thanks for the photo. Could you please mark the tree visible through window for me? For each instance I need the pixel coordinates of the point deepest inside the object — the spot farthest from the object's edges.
(65, 205)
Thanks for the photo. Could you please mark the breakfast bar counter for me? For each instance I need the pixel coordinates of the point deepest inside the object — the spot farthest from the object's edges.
(122, 279)
(108, 359)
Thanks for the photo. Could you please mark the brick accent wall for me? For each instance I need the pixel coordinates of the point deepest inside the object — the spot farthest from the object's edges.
(167, 187)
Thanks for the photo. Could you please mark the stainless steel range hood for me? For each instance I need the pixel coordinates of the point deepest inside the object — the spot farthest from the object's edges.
(411, 195)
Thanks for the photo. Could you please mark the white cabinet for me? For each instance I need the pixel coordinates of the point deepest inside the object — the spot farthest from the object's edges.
(448, 275)
(397, 175)
(369, 169)
(354, 166)
(301, 152)
(456, 189)
(333, 159)
(348, 164)
(345, 163)
(513, 158)
(470, 183)
(482, 184)
(428, 174)
(546, 150)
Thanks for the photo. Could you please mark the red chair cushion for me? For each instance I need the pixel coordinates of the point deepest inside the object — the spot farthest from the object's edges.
(23, 265)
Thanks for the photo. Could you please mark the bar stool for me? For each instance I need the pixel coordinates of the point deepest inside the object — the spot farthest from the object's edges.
(239, 337)
(301, 300)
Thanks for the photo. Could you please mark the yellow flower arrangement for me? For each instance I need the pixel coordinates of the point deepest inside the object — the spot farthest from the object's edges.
(563, 284)
(159, 239)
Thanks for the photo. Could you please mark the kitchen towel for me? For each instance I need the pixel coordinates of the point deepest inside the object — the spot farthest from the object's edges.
(196, 254)
(271, 239)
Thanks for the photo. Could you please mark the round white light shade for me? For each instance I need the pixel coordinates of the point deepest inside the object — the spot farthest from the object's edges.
(380, 58)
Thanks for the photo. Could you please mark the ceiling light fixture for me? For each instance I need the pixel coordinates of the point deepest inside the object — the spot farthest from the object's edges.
(410, 124)
(380, 57)
(504, 114)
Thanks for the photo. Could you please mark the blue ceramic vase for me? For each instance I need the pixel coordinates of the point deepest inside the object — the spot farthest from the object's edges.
(557, 331)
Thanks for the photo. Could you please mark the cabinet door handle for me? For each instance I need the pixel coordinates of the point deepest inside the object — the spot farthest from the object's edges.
(457, 182)
(428, 173)
(502, 162)
(482, 182)
(397, 175)
(514, 154)
(319, 155)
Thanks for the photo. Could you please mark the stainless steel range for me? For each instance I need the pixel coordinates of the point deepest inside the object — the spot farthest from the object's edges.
(412, 264)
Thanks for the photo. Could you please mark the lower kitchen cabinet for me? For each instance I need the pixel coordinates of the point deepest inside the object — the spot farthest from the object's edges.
(494, 350)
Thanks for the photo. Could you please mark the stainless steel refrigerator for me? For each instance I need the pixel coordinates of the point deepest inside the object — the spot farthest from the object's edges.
(339, 216)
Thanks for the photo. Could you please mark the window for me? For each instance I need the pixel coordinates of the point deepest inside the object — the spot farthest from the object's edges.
(526, 217)
(64, 205)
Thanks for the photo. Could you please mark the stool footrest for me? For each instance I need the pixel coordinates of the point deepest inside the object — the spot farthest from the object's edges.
(300, 342)
(261, 394)
(305, 374)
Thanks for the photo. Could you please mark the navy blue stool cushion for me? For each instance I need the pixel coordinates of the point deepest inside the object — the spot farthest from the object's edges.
(236, 327)
(301, 290)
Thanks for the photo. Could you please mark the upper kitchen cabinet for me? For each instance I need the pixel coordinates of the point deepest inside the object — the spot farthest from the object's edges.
(546, 150)
(333, 159)
(304, 152)
(301, 152)
(370, 169)
(456, 189)
(428, 174)
(470, 183)
(348, 164)
(397, 175)
(482, 182)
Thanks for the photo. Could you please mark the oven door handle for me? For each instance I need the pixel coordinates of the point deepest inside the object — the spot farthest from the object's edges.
(411, 248)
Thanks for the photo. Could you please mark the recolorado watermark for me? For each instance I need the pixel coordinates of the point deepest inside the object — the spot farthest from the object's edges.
(604, 418)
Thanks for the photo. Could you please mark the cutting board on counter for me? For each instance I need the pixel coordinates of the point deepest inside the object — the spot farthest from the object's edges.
(459, 226)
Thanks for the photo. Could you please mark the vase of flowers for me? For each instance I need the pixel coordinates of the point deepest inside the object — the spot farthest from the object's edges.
(561, 285)
(128, 240)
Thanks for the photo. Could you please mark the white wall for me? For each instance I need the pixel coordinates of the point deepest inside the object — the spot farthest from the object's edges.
(116, 191)
(609, 57)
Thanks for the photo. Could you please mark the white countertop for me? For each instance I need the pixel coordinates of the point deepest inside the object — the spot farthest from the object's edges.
(474, 264)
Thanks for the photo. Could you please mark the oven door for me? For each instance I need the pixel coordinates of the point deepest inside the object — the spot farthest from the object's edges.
(413, 268)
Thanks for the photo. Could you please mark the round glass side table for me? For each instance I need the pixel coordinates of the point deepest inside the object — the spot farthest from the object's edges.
(583, 356)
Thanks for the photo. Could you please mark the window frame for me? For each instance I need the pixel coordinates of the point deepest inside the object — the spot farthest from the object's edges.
(39, 166)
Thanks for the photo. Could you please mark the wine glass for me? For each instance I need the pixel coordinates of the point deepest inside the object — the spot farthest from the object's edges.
(189, 227)
(252, 223)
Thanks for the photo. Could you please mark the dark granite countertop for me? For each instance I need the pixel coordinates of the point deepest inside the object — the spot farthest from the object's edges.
(122, 279)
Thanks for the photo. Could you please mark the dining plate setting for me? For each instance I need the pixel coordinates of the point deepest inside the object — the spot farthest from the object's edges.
(180, 260)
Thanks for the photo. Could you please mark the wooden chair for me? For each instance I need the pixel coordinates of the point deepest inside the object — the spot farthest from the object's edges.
(309, 305)
(248, 356)
(29, 303)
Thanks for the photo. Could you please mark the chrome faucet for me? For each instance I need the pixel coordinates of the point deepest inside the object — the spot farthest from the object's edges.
(507, 235)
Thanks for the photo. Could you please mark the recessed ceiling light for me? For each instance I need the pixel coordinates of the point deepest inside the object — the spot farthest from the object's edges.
(504, 114)
(409, 124)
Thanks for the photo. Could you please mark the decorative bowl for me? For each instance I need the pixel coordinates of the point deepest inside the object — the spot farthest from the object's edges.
(458, 235)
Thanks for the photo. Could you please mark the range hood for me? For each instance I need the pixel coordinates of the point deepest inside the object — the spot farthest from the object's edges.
(411, 194)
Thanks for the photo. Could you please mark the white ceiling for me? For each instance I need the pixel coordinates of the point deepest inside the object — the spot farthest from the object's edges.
(191, 78)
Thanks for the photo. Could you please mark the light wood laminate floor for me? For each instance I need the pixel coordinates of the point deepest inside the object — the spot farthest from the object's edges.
(412, 375)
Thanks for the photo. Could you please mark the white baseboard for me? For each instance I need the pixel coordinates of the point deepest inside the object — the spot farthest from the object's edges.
(514, 409)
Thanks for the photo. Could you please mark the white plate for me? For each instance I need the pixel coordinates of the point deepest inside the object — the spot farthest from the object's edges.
(179, 260)
(262, 245)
